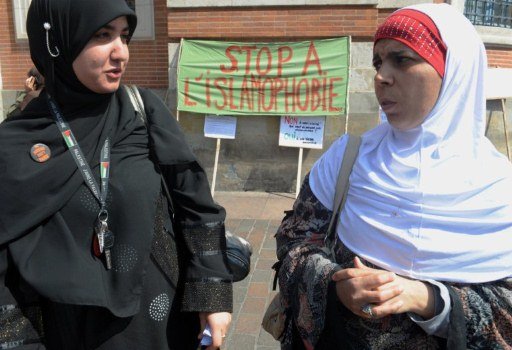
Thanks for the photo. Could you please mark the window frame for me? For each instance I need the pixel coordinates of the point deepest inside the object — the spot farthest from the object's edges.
(20, 9)
(488, 13)
(144, 8)
(490, 35)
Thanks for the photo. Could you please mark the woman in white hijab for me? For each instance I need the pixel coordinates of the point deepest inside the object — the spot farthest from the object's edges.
(424, 255)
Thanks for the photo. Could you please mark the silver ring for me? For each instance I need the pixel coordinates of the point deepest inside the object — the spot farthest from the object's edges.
(367, 310)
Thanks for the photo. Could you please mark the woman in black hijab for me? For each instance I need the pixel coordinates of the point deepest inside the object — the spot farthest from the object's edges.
(89, 258)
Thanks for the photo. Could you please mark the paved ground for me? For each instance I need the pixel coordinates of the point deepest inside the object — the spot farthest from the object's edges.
(256, 217)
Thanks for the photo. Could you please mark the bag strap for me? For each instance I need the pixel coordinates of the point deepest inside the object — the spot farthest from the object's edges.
(340, 196)
(137, 102)
(138, 105)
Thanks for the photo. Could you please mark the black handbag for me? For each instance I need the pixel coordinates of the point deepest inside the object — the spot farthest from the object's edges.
(238, 250)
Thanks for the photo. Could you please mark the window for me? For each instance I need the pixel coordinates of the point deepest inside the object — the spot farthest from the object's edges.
(143, 8)
(145, 19)
(20, 8)
(497, 13)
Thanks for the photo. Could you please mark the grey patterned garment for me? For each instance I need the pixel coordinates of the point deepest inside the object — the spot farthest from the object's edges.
(481, 315)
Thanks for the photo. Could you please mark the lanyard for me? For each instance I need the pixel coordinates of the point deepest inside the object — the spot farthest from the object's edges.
(104, 239)
(83, 166)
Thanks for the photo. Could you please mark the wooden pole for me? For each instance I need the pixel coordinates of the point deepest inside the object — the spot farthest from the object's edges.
(347, 101)
(217, 151)
(299, 169)
(177, 82)
(505, 126)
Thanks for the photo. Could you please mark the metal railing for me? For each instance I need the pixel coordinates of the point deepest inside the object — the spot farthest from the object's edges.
(497, 13)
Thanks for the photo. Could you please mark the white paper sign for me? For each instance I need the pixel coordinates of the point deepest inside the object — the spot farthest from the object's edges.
(498, 83)
(220, 127)
(304, 132)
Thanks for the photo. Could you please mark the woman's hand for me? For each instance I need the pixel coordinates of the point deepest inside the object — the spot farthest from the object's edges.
(361, 285)
(30, 84)
(386, 292)
(219, 324)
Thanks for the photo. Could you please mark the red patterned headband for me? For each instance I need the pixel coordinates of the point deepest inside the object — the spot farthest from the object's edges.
(419, 32)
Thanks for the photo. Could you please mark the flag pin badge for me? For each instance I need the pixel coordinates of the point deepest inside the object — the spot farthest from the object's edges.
(40, 152)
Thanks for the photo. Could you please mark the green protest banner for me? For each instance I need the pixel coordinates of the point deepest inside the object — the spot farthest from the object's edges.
(292, 78)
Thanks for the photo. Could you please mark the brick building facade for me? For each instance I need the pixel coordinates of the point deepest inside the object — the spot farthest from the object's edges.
(253, 161)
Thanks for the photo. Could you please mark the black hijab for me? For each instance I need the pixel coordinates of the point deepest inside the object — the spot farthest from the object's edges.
(72, 24)
(42, 242)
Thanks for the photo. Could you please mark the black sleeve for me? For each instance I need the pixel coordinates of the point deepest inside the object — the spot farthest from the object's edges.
(200, 221)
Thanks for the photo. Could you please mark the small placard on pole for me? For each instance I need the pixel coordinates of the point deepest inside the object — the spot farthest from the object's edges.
(301, 132)
(219, 127)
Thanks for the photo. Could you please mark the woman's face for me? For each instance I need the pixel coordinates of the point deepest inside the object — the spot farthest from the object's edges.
(406, 85)
(102, 62)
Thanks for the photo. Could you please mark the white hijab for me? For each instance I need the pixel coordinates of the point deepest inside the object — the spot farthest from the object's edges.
(434, 202)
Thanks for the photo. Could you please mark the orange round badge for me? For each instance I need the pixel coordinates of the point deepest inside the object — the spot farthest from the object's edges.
(40, 152)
